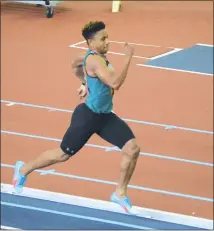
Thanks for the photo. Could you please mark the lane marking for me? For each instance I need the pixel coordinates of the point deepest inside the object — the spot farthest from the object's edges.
(109, 206)
(167, 53)
(8, 227)
(143, 44)
(78, 43)
(109, 52)
(137, 44)
(91, 179)
(173, 69)
(108, 149)
(46, 172)
(132, 43)
(165, 126)
(10, 104)
(202, 44)
(74, 215)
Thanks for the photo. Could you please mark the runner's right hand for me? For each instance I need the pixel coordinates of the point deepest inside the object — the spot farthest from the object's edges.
(128, 50)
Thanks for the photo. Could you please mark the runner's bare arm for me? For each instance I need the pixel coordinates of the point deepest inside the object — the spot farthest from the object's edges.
(108, 76)
(77, 68)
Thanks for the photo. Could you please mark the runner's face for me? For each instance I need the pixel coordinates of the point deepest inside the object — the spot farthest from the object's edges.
(100, 42)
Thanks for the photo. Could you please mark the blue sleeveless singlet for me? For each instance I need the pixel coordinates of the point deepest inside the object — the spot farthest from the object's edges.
(100, 97)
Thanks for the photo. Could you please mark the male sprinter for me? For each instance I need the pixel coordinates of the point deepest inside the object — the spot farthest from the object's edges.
(94, 116)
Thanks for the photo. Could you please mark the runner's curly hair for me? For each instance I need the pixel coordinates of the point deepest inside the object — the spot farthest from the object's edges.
(91, 28)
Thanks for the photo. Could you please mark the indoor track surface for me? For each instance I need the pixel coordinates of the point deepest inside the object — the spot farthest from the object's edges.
(167, 99)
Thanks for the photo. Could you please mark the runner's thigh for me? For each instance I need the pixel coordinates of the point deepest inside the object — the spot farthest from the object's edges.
(116, 131)
(81, 128)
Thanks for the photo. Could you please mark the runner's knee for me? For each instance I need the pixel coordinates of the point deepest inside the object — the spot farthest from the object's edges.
(57, 155)
(66, 149)
(132, 149)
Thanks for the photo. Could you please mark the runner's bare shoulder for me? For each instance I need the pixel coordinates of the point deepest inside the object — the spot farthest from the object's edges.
(96, 65)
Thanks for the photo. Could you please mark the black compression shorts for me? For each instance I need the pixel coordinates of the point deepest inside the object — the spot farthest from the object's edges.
(85, 123)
